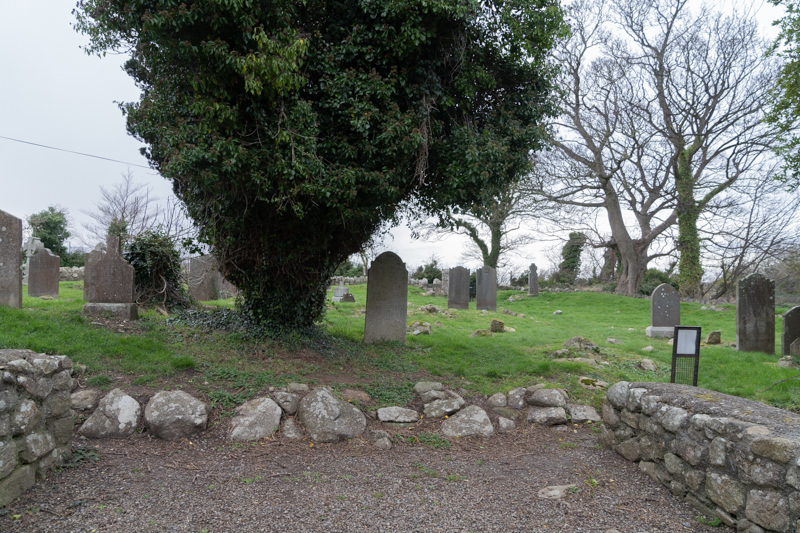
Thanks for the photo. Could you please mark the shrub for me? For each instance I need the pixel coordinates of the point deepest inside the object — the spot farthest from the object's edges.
(157, 266)
(652, 278)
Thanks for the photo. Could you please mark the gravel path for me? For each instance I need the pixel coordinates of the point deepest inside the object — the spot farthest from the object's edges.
(213, 485)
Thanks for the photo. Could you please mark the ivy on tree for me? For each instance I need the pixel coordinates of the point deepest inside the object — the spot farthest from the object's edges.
(292, 129)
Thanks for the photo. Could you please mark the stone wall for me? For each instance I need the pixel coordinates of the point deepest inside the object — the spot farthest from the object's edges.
(35, 419)
(70, 274)
(736, 459)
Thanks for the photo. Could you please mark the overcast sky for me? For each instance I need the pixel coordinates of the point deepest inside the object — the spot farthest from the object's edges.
(53, 94)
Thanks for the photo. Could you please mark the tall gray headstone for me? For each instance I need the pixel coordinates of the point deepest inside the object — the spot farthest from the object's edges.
(458, 289)
(486, 289)
(445, 281)
(665, 311)
(533, 281)
(755, 314)
(112, 285)
(90, 260)
(387, 299)
(10, 260)
(43, 273)
(791, 329)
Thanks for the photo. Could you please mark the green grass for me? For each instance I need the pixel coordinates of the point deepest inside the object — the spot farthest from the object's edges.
(232, 367)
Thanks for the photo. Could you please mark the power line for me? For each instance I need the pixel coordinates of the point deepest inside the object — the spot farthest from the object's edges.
(73, 152)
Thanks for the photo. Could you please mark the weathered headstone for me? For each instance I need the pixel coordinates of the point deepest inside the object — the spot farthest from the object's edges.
(755, 314)
(31, 246)
(445, 281)
(665, 311)
(206, 281)
(10, 260)
(90, 261)
(112, 287)
(43, 273)
(791, 329)
(387, 299)
(533, 281)
(342, 294)
(486, 289)
(458, 288)
(794, 348)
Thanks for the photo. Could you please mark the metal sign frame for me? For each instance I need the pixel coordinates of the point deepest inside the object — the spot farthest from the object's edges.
(686, 344)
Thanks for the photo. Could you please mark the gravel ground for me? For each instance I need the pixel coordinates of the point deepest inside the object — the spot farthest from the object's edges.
(210, 484)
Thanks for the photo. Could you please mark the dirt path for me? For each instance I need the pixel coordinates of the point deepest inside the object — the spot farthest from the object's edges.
(210, 484)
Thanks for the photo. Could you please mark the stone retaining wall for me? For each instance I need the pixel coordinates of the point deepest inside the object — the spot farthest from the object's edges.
(736, 459)
(70, 273)
(35, 420)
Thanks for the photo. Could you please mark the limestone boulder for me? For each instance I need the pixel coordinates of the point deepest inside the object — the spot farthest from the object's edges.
(547, 398)
(470, 421)
(288, 401)
(255, 419)
(547, 416)
(173, 415)
(117, 416)
(329, 419)
(397, 414)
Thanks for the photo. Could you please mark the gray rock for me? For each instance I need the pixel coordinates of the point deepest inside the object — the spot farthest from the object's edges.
(555, 492)
(582, 413)
(432, 395)
(547, 398)
(715, 337)
(173, 415)
(580, 343)
(516, 398)
(397, 414)
(547, 416)
(426, 386)
(648, 365)
(84, 400)
(288, 402)
(290, 430)
(116, 417)
(255, 419)
(505, 424)
(617, 394)
(25, 417)
(297, 388)
(497, 400)
(769, 509)
(384, 443)
(440, 408)
(725, 491)
(471, 420)
(36, 445)
(328, 419)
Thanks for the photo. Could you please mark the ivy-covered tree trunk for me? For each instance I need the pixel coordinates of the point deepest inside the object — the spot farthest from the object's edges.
(690, 270)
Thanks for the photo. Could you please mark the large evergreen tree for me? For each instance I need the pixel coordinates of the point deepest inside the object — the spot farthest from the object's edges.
(292, 129)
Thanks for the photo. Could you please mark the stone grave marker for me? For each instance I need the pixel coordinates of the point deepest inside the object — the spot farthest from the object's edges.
(665, 311)
(31, 246)
(88, 266)
(445, 281)
(755, 314)
(791, 330)
(458, 288)
(387, 299)
(10, 260)
(794, 348)
(43, 273)
(486, 289)
(206, 281)
(342, 294)
(533, 281)
(112, 285)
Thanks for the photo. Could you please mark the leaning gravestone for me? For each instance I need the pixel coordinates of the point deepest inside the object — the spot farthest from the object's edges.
(90, 261)
(791, 330)
(755, 314)
(10, 260)
(458, 288)
(111, 278)
(665, 311)
(486, 289)
(387, 299)
(43, 273)
(533, 281)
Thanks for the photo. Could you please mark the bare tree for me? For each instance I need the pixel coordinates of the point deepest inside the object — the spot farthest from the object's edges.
(661, 114)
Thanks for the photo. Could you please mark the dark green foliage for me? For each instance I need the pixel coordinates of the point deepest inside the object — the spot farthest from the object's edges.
(570, 265)
(118, 227)
(50, 226)
(654, 277)
(157, 266)
(430, 271)
(291, 130)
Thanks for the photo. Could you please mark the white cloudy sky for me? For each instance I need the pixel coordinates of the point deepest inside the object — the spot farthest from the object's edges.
(53, 94)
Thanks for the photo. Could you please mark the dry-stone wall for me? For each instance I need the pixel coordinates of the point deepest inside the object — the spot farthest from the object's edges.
(732, 458)
(35, 420)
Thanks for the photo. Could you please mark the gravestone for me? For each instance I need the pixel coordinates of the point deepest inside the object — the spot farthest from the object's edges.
(794, 348)
(533, 281)
(755, 314)
(445, 281)
(791, 330)
(486, 289)
(387, 299)
(90, 261)
(43, 273)
(10, 260)
(458, 288)
(342, 294)
(112, 287)
(206, 281)
(31, 246)
(665, 311)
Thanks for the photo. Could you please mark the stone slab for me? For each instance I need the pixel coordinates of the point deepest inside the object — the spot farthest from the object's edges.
(662, 331)
(486, 289)
(387, 300)
(458, 288)
(43, 273)
(110, 310)
(10, 260)
(755, 314)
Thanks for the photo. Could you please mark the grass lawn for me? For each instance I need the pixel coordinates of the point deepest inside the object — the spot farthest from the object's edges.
(230, 367)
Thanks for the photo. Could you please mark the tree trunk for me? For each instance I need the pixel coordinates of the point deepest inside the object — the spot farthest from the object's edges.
(690, 271)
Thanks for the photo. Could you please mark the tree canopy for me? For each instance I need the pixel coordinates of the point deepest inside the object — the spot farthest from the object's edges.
(51, 226)
(785, 97)
(292, 129)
